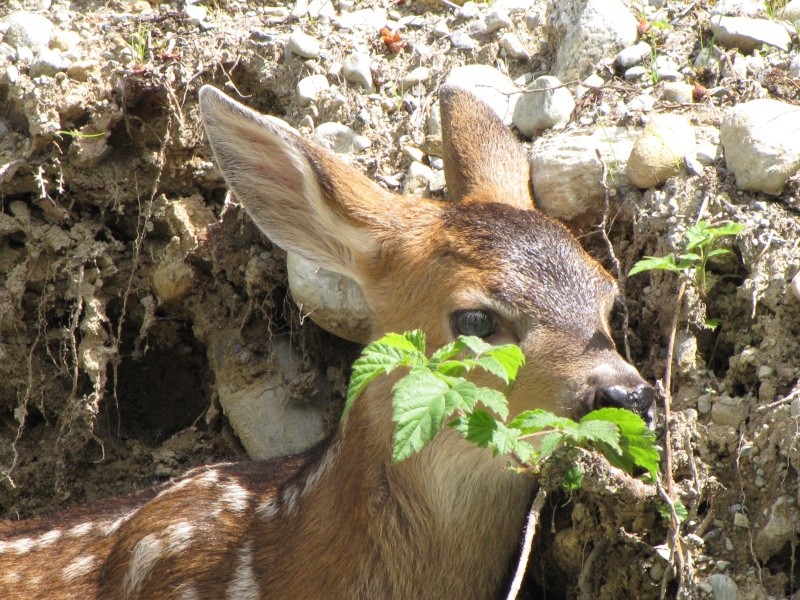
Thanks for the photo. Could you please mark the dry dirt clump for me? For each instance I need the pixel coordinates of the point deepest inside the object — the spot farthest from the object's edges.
(130, 289)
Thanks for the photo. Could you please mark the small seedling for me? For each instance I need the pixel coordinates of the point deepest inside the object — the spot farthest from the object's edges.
(702, 242)
(140, 44)
(435, 393)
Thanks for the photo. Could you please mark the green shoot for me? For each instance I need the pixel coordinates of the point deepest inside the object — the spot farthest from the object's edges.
(701, 245)
(77, 134)
(140, 43)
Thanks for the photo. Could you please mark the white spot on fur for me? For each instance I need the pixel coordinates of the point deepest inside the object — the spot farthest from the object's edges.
(190, 594)
(235, 497)
(267, 510)
(179, 537)
(321, 469)
(110, 527)
(20, 546)
(243, 586)
(144, 557)
(80, 530)
(78, 568)
(48, 539)
(11, 577)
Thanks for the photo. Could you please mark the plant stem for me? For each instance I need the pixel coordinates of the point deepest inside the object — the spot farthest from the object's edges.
(534, 516)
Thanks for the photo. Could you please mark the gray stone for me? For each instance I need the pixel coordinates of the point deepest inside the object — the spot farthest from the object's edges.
(336, 137)
(635, 73)
(747, 34)
(497, 20)
(356, 69)
(642, 102)
(791, 12)
(28, 29)
(633, 55)
(761, 144)
(585, 31)
(415, 77)
(469, 10)
(418, 179)
(334, 302)
(658, 153)
(723, 587)
(48, 62)
(678, 92)
(737, 7)
(794, 66)
(490, 85)
(461, 41)
(369, 19)
(302, 44)
(728, 411)
(545, 104)
(308, 88)
(666, 69)
(514, 47)
(778, 531)
(196, 12)
(441, 30)
(704, 404)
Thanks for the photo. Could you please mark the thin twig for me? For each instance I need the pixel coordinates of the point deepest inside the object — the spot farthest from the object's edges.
(534, 516)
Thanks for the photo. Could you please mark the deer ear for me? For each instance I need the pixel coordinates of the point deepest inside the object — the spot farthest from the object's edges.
(482, 159)
(303, 198)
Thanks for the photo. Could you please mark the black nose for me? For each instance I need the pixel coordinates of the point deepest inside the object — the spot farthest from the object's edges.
(639, 399)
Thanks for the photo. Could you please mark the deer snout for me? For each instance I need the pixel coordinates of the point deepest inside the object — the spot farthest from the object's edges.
(639, 399)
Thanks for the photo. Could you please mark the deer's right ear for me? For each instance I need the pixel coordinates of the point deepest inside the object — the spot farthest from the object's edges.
(482, 159)
(289, 187)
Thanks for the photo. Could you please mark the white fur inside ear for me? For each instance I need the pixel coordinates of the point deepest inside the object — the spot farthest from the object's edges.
(274, 180)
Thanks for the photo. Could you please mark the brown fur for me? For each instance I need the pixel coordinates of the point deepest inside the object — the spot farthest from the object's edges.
(342, 521)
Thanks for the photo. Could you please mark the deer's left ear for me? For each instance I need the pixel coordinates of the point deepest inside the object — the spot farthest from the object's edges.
(482, 159)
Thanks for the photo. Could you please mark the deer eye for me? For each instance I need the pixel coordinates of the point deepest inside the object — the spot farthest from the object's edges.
(480, 323)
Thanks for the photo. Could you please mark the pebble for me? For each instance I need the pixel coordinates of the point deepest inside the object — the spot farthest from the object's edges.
(635, 73)
(441, 29)
(490, 85)
(706, 153)
(497, 20)
(545, 104)
(761, 144)
(303, 45)
(469, 10)
(658, 153)
(48, 62)
(196, 13)
(791, 12)
(723, 587)
(356, 69)
(632, 55)
(704, 404)
(461, 41)
(28, 29)
(66, 41)
(415, 77)
(336, 137)
(796, 286)
(366, 19)
(514, 47)
(418, 179)
(794, 67)
(666, 69)
(728, 411)
(748, 34)
(678, 92)
(642, 102)
(740, 520)
(308, 88)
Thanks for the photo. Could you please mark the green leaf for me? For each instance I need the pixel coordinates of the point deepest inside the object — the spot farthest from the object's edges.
(419, 401)
(451, 368)
(680, 511)
(573, 479)
(410, 341)
(448, 351)
(690, 257)
(550, 442)
(482, 429)
(697, 235)
(717, 252)
(461, 396)
(712, 324)
(510, 357)
(492, 365)
(476, 344)
(650, 263)
(603, 432)
(636, 442)
(493, 400)
(727, 229)
(534, 421)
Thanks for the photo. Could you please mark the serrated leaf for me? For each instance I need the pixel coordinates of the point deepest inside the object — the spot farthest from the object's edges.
(727, 229)
(493, 366)
(636, 441)
(493, 400)
(510, 357)
(417, 339)
(461, 396)
(573, 479)
(524, 451)
(603, 432)
(690, 256)
(450, 368)
(483, 429)
(448, 351)
(407, 342)
(712, 324)
(717, 252)
(550, 442)
(476, 344)
(534, 421)
(650, 263)
(418, 402)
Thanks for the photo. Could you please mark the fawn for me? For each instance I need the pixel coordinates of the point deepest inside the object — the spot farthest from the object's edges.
(341, 521)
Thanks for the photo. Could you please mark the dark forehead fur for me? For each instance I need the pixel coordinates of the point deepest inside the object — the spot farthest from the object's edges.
(538, 265)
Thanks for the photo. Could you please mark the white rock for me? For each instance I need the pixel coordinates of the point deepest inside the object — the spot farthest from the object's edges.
(461, 41)
(707, 153)
(633, 55)
(761, 144)
(737, 7)
(642, 102)
(303, 45)
(585, 31)
(635, 73)
(794, 67)
(356, 69)
(321, 9)
(441, 29)
(796, 286)
(666, 68)
(497, 20)
(566, 173)
(678, 92)
(196, 12)
(723, 587)
(791, 12)
(28, 29)
(309, 87)
(336, 137)
(48, 62)
(334, 302)
(418, 179)
(658, 153)
(469, 10)
(545, 104)
(747, 34)
(490, 85)
(370, 19)
(415, 77)
(514, 47)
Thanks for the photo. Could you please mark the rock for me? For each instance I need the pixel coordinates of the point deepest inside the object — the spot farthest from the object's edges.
(334, 302)
(566, 173)
(321, 9)
(302, 44)
(666, 69)
(635, 73)
(545, 104)
(658, 153)
(173, 281)
(497, 20)
(82, 70)
(48, 62)
(415, 77)
(28, 29)
(418, 179)
(778, 531)
(740, 520)
(642, 102)
(704, 404)
(469, 10)
(761, 144)
(196, 12)
(356, 69)
(369, 19)
(441, 29)
(706, 153)
(309, 87)
(747, 34)
(490, 85)
(728, 411)
(514, 47)
(633, 55)
(66, 41)
(585, 31)
(794, 67)
(791, 12)
(737, 7)
(461, 41)
(678, 92)
(336, 137)
(723, 587)
(796, 286)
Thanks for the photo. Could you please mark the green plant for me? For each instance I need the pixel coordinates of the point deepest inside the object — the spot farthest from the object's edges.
(77, 134)
(773, 7)
(701, 245)
(140, 43)
(652, 71)
(436, 393)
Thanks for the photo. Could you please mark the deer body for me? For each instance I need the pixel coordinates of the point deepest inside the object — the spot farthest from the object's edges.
(342, 521)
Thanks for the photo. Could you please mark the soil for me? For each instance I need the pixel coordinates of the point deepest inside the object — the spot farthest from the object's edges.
(127, 283)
